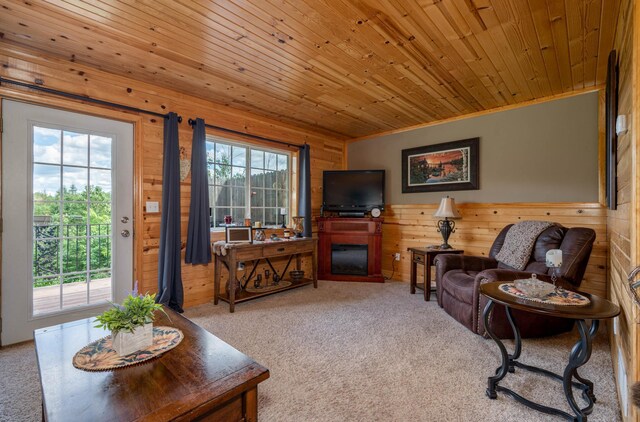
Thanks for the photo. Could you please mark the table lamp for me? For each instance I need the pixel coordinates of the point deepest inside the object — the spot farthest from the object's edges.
(554, 261)
(446, 210)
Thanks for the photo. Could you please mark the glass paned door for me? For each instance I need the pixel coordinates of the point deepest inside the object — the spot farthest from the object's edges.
(67, 193)
(72, 198)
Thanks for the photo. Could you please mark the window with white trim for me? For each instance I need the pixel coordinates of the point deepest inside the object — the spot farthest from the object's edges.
(247, 182)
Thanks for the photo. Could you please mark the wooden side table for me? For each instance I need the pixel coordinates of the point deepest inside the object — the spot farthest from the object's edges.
(425, 257)
(597, 309)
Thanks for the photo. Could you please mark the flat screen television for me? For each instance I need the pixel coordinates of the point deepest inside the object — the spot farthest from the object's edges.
(352, 191)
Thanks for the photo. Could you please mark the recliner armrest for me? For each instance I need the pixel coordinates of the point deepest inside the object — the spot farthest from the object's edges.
(499, 274)
(447, 262)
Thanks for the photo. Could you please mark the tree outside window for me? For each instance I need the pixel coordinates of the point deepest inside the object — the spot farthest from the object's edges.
(260, 196)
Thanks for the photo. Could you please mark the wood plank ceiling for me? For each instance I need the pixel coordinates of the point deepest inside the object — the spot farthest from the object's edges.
(347, 67)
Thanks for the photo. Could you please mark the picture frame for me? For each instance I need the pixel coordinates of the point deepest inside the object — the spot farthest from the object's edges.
(240, 234)
(611, 112)
(448, 166)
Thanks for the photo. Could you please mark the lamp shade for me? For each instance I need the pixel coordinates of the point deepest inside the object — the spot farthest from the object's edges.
(447, 209)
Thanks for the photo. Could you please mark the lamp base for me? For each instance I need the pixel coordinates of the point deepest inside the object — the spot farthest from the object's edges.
(446, 227)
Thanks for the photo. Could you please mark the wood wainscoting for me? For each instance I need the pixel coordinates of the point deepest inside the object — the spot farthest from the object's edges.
(408, 226)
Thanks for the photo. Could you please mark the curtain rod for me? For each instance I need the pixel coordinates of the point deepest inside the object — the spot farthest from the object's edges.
(83, 98)
(237, 132)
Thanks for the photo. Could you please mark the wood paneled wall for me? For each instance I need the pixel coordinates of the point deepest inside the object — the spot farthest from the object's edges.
(621, 223)
(408, 226)
(29, 65)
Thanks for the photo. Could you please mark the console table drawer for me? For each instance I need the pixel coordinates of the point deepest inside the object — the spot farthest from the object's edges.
(286, 248)
(248, 254)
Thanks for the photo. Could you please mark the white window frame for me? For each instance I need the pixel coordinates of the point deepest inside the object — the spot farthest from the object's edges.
(248, 188)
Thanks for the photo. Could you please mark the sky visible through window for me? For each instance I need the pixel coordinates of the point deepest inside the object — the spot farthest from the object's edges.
(80, 151)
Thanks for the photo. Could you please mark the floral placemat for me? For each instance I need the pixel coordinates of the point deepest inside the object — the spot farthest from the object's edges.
(559, 297)
(99, 356)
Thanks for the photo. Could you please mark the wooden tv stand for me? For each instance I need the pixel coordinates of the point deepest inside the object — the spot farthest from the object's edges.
(350, 249)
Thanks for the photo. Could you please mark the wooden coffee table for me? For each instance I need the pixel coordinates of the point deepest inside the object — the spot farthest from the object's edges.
(597, 309)
(203, 377)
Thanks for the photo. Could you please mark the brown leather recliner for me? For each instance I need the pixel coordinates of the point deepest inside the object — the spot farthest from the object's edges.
(459, 278)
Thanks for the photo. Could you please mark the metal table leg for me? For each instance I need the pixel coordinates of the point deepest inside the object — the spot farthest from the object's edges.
(501, 371)
(580, 354)
(589, 390)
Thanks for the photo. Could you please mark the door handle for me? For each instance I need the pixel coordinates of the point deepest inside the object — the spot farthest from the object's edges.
(125, 233)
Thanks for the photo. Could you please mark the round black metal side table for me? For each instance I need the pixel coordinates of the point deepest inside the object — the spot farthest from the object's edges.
(598, 309)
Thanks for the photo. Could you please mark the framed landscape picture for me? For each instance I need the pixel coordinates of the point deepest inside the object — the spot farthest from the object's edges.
(441, 167)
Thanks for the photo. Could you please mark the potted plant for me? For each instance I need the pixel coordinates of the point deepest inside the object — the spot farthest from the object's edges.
(131, 324)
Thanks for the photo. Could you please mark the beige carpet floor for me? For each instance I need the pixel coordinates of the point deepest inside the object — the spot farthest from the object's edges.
(362, 352)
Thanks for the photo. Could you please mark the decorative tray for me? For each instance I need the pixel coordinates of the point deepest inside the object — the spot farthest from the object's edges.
(558, 297)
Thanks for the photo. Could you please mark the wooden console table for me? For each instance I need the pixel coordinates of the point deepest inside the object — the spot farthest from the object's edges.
(203, 378)
(242, 252)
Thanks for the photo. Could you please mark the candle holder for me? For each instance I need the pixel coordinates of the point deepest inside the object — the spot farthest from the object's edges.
(283, 213)
(553, 261)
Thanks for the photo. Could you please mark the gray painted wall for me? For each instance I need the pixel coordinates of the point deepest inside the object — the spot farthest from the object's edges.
(546, 152)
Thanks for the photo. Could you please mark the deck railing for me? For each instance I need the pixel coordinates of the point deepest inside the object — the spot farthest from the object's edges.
(73, 240)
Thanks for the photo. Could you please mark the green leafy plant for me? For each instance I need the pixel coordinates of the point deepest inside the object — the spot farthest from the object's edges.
(135, 311)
